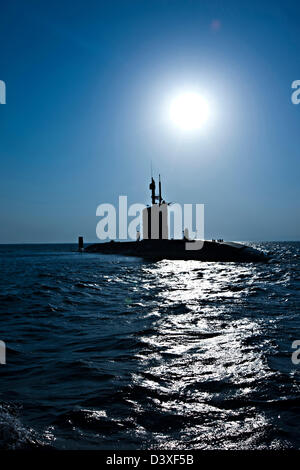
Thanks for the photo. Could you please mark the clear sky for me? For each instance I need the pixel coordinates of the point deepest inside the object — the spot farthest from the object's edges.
(88, 83)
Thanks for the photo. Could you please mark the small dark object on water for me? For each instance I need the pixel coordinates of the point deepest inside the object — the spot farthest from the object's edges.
(80, 243)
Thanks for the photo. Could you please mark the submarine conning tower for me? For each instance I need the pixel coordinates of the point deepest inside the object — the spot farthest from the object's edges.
(155, 217)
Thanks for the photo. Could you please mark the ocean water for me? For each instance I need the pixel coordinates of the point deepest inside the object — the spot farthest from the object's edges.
(111, 352)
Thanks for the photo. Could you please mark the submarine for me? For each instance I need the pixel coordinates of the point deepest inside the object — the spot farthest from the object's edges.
(156, 246)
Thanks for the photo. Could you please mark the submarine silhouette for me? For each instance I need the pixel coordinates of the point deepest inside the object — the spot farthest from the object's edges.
(156, 246)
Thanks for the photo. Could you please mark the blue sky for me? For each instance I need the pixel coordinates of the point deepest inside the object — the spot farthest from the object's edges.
(87, 86)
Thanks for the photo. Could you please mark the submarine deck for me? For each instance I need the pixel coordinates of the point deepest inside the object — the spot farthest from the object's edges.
(176, 250)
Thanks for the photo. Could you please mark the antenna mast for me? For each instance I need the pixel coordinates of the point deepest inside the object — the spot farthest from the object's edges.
(159, 195)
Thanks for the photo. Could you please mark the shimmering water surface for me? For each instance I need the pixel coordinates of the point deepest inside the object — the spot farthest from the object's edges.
(110, 352)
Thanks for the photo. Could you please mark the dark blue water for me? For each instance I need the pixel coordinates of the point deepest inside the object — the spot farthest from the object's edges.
(108, 352)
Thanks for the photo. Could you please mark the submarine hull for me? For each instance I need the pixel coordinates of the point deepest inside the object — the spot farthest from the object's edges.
(176, 250)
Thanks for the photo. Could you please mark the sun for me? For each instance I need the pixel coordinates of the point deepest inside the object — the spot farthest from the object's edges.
(189, 111)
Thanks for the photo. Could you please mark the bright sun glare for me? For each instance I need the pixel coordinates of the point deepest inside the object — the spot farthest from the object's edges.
(189, 111)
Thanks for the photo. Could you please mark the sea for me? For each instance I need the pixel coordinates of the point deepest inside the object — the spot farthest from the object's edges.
(114, 352)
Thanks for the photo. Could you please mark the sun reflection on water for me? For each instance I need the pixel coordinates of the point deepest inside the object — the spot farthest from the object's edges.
(198, 368)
